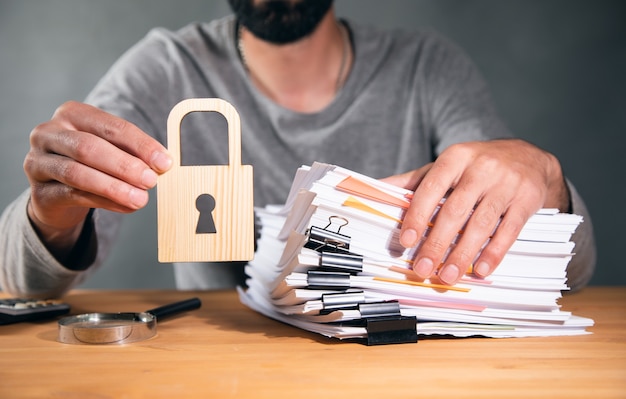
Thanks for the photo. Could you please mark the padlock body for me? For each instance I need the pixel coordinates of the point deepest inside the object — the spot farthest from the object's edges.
(232, 188)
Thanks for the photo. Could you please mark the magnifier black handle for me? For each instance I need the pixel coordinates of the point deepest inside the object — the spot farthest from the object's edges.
(174, 308)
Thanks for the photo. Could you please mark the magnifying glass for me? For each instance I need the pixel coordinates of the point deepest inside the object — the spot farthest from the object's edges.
(118, 328)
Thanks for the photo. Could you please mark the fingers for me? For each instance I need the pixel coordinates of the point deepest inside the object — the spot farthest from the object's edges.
(495, 188)
(443, 242)
(444, 235)
(431, 189)
(86, 158)
(441, 176)
(475, 236)
(119, 132)
(77, 177)
(505, 235)
(67, 157)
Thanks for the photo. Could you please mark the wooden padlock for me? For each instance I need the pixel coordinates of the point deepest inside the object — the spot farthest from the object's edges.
(205, 212)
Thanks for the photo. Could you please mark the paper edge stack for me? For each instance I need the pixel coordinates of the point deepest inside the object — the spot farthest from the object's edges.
(381, 302)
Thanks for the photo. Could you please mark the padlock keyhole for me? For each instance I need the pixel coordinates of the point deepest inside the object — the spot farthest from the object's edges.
(205, 203)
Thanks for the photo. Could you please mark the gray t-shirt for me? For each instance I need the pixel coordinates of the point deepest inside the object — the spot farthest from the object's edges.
(409, 95)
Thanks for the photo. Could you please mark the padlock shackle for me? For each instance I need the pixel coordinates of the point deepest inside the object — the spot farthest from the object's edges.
(180, 110)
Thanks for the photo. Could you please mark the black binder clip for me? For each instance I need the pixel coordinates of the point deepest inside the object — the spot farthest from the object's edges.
(341, 261)
(327, 240)
(391, 330)
(386, 325)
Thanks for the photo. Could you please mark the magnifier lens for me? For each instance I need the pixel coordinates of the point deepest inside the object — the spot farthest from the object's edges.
(105, 328)
(118, 328)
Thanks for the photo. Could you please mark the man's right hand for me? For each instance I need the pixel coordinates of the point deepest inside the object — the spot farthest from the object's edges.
(86, 158)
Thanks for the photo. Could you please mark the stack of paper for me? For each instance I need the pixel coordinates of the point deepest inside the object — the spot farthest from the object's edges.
(329, 261)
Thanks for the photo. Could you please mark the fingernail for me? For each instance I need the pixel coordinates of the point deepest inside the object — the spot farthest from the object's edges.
(148, 178)
(161, 161)
(423, 268)
(408, 238)
(138, 198)
(482, 269)
(450, 274)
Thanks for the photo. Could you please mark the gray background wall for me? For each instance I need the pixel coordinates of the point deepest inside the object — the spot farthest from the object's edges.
(556, 67)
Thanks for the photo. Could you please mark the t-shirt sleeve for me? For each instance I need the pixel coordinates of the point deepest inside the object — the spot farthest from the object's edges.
(583, 263)
(26, 267)
(461, 107)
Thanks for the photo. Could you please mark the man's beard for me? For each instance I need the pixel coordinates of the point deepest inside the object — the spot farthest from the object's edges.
(280, 22)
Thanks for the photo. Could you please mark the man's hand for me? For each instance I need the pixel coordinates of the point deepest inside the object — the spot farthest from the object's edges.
(86, 158)
(485, 181)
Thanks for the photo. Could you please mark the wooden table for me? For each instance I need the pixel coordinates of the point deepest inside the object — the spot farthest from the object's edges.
(227, 350)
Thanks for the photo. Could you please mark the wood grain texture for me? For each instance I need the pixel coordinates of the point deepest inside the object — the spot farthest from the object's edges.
(230, 185)
(226, 350)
